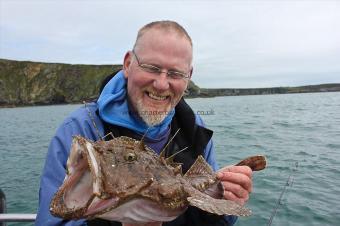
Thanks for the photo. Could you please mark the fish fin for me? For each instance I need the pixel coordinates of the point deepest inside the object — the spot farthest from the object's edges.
(170, 160)
(162, 153)
(141, 142)
(93, 122)
(202, 177)
(200, 167)
(219, 206)
(256, 163)
(215, 206)
(109, 134)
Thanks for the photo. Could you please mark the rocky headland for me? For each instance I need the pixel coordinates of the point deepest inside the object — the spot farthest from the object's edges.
(24, 83)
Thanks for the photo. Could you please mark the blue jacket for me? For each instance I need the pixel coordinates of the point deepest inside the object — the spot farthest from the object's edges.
(80, 123)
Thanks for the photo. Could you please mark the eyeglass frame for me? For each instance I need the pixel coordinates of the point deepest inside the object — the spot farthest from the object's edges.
(156, 70)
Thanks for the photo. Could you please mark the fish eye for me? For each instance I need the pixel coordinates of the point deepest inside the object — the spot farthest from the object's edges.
(130, 157)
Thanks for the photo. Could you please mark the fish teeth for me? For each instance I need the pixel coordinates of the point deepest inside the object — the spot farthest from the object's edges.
(156, 97)
(175, 204)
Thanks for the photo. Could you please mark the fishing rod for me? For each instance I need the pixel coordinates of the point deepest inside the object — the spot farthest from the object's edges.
(279, 201)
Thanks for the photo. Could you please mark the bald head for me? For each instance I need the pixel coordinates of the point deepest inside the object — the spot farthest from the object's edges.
(165, 26)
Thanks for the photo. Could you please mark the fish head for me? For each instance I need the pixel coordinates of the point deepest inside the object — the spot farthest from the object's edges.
(131, 169)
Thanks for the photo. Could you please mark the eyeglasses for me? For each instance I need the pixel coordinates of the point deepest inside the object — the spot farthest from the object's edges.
(156, 70)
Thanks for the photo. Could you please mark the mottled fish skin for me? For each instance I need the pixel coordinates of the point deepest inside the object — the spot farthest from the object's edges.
(117, 177)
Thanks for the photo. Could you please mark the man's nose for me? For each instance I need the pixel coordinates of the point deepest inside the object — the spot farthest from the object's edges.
(161, 81)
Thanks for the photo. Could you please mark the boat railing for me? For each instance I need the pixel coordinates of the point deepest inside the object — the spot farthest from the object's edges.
(12, 217)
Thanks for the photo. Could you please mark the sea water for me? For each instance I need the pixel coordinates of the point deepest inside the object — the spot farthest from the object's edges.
(298, 133)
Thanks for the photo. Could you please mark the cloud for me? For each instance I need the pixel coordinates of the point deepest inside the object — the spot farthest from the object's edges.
(238, 43)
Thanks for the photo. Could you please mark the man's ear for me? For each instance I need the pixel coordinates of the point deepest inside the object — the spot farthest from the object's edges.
(127, 63)
(190, 74)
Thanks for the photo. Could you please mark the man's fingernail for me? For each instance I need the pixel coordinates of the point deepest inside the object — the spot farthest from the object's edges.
(219, 174)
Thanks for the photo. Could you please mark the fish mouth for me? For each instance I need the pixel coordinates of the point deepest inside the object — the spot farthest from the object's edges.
(101, 206)
(81, 193)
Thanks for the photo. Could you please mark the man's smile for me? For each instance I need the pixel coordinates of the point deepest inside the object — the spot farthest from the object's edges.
(156, 96)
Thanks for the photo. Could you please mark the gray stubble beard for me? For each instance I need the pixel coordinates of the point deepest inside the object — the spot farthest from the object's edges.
(151, 118)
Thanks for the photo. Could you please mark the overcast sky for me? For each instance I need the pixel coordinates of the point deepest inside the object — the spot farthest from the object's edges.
(237, 44)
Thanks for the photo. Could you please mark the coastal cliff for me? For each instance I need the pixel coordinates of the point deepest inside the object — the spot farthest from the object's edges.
(34, 83)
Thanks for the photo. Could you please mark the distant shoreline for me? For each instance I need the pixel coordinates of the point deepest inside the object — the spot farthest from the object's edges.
(26, 83)
(321, 88)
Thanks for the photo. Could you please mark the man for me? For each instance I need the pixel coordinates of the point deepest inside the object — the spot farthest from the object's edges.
(146, 98)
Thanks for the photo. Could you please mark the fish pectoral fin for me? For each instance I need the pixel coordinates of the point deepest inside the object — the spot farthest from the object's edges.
(202, 177)
(200, 167)
(216, 206)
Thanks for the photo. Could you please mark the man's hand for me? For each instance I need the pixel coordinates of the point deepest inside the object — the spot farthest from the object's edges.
(237, 183)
